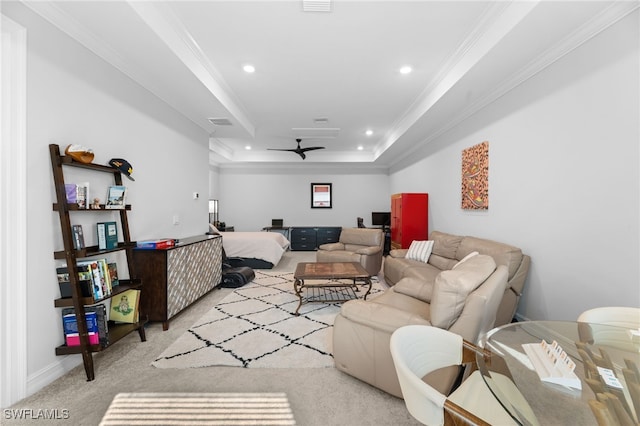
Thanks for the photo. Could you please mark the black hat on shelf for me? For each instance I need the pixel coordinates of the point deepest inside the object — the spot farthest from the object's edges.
(123, 165)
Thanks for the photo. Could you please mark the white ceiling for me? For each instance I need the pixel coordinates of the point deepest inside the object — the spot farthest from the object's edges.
(342, 66)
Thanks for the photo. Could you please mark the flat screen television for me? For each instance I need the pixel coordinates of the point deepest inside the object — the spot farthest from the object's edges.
(381, 218)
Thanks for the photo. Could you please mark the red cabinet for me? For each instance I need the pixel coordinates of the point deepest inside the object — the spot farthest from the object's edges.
(408, 219)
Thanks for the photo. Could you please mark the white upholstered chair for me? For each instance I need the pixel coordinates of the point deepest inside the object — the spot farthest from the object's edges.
(621, 316)
(418, 350)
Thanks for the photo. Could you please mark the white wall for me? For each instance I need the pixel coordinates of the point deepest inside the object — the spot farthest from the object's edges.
(563, 177)
(75, 97)
(250, 199)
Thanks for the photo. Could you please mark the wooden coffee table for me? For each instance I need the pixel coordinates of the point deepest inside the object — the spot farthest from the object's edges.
(328, 282)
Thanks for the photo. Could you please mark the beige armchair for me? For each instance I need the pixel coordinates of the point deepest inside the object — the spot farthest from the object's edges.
(362, 245)
(463, 301)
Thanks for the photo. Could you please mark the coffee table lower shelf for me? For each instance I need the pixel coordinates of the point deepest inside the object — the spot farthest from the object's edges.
(329, 282)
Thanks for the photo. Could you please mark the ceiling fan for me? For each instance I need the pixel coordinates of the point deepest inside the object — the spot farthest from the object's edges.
(298, 150)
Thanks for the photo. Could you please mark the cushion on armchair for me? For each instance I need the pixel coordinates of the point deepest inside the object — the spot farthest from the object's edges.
(452, 287)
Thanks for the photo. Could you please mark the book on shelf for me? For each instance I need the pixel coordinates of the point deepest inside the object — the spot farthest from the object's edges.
(70, 327)
(107, 235)
(156, 244)
(82, 195)
(85, 278)
(78, 237)
(71, 190)
(113, 274)
(101, 279)
(101, 326)
(116, 197)
(124, 307)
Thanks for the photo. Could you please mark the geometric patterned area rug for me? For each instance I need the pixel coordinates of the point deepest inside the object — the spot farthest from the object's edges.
(255, 327)
(199, 409)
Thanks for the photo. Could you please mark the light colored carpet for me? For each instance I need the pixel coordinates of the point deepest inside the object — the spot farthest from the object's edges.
(317, 396)
(199, 409)
(255, 327)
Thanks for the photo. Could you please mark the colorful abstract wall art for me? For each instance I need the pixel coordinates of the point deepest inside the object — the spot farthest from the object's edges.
(475, 177)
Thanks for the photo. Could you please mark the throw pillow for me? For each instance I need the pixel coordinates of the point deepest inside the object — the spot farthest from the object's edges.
(452, 287)
(464, 259)
(420, 250)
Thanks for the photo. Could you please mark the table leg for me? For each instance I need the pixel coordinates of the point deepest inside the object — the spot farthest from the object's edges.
(368, 281)
(297, 287)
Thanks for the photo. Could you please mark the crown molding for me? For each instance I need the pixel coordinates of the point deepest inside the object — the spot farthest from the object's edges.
(161, 19)
(606, 18)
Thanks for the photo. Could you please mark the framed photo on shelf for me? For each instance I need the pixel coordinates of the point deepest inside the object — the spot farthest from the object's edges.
(116, 197)
(321, 196)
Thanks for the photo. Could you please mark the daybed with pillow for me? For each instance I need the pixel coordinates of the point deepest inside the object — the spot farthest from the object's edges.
(446, 251)
(463, 300)
(257, 250)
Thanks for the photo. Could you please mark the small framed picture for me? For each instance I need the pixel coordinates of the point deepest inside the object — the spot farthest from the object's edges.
(116, 197)
(321, 196)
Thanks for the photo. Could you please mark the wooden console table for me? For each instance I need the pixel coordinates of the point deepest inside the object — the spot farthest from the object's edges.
(178, 276)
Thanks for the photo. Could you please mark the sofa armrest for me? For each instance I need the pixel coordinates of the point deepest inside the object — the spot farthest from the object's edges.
(398, 253)
(368, 251)
(331, 246)
(378, 316)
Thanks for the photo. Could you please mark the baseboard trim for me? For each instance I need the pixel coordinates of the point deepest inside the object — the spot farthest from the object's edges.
(52, 372)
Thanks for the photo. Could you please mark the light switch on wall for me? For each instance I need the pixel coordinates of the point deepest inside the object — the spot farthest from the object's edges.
(176, 219)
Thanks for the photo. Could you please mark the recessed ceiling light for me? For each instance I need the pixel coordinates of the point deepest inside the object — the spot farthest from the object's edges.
(369, 132)
(405, 70)
(248, 147)
(249, 68)
(360, 147)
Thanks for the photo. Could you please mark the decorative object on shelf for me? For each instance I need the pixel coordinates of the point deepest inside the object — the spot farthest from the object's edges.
(124, 307)
(116, 197)
(79, 153)
(96, 204)
(321, 196)
(123, 165)
(475, 177)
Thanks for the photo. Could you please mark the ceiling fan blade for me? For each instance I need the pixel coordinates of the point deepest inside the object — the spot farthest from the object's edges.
(311, 148)
(302, 155)
(275, 149)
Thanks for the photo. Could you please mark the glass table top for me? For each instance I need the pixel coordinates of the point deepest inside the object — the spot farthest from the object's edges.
(510, 371)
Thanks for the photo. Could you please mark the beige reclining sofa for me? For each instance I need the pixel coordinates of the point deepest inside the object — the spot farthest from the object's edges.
(448, 249)
(363, 245)
(463, 300)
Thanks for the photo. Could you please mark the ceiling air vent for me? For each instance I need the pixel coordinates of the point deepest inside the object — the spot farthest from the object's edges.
(316, 5)
(222, 121)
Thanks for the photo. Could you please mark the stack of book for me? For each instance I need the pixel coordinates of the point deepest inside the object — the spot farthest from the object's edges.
(156, 244)
(97, 327)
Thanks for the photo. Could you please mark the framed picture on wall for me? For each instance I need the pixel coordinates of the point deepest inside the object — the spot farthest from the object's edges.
(320, 195)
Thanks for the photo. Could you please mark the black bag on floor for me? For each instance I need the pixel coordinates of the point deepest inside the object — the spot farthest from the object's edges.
(237, 277)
